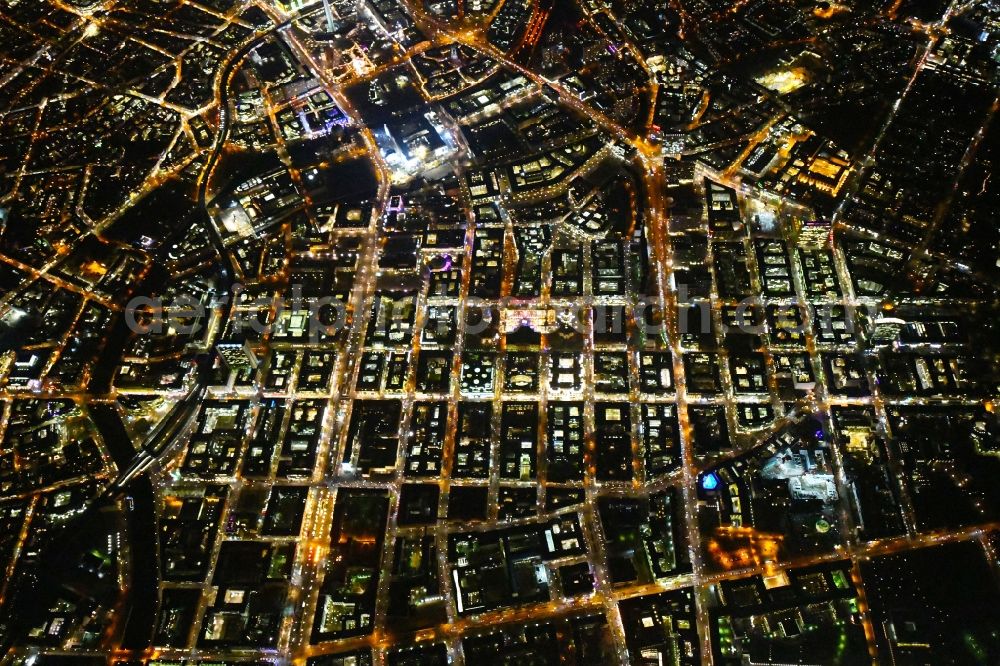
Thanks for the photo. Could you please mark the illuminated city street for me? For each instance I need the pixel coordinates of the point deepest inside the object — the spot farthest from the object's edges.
(520, 332)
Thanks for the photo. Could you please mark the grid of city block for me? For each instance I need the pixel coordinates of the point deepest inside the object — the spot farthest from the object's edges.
(499, 332)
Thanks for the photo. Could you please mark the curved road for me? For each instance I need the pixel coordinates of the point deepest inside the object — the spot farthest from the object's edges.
(162, 436)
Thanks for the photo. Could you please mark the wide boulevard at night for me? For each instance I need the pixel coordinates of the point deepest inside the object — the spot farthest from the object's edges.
(499, 332)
